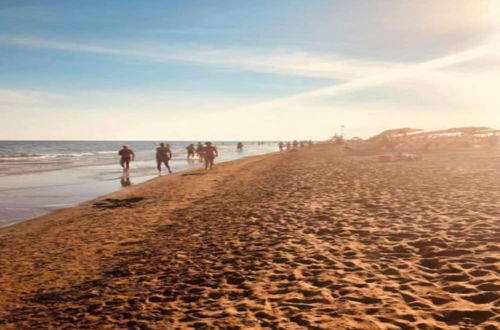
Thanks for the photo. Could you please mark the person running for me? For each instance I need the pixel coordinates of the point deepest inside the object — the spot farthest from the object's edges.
(281, 145)
(239, 146)
(209, 154)
(190, 151)
(127, 155)
(163, 155)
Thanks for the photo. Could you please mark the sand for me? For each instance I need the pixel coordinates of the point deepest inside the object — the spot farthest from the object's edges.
(313, 239)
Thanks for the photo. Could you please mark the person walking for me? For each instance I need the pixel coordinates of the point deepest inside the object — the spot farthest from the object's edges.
(190, 151)
(199, 150)
(209, 154)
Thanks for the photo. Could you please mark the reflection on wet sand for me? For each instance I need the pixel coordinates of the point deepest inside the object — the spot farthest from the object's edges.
(125, 179)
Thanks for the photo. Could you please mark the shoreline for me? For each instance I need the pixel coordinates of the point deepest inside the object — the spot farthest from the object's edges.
(307, 239)
(111, 194)
(31, 195)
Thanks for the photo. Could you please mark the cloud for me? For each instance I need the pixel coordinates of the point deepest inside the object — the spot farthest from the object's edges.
(24, 97)
(310, 114)
(279, 61)
(389, 76)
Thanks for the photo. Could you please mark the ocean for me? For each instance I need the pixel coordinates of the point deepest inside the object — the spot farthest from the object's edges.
(38, 177)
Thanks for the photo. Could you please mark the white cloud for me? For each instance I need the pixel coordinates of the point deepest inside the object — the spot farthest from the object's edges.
(462, 99)
(282, 61)
(16, 96)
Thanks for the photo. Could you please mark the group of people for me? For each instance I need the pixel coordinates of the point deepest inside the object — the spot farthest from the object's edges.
(207, 153)
(293, 145)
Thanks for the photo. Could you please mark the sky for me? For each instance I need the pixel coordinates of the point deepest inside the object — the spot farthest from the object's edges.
(245, 70)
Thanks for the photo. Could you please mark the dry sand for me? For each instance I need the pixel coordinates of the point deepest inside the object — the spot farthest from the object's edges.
(310, 239)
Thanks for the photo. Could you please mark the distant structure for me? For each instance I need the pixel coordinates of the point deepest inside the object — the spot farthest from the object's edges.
(453, 138)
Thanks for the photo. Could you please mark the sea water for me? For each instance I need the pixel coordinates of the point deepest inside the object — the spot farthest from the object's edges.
(37, 177)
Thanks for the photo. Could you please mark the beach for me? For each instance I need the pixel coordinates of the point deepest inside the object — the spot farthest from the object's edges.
(316, 238)
(39, 177)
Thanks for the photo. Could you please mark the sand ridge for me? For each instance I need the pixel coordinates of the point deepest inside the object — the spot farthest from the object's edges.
(314, 239)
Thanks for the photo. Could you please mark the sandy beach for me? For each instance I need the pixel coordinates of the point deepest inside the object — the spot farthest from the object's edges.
(312, 239)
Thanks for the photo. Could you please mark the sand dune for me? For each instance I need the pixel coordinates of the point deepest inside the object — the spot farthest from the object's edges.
(314, 239)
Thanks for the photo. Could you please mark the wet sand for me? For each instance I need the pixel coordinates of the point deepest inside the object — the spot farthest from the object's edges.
(39, 190)
(313, 239)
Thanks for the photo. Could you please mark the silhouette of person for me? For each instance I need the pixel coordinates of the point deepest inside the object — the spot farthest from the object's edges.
(209, 154)
(199, 150)
(127, 155)
(163, 155)
(239, 146)
(190, 151)
(281, 145)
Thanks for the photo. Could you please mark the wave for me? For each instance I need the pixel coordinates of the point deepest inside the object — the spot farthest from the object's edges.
(78, 154)
(20, 155)
(24, 157)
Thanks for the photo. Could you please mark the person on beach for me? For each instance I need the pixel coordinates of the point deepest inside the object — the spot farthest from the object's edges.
(126, 155)
(239, 146)
(281, 145)
(190, 151)
(199, 150)
(163, 155)
(209, 154)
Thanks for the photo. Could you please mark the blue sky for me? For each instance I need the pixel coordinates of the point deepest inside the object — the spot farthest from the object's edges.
(239, 69)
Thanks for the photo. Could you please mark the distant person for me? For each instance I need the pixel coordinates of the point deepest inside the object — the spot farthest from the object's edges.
(239, 146)
(209, 154)
(163, 155)
(295, 144)
(199, 150)
(127, 155)
(281, 145)
(190, 151)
